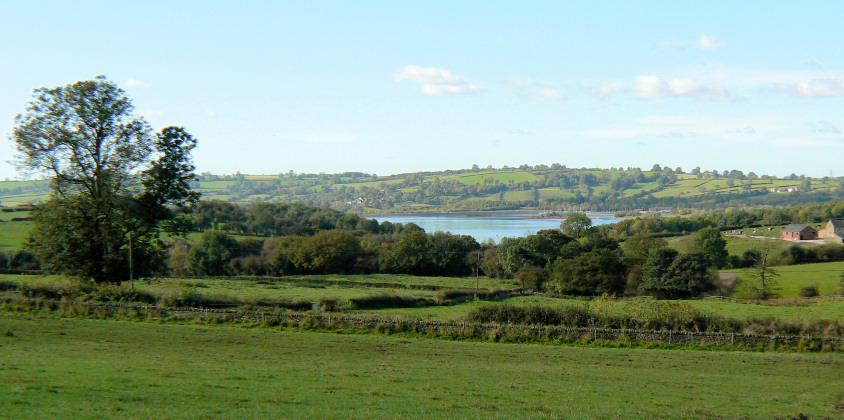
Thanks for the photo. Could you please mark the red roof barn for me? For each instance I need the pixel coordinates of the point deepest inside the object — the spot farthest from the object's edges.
(799, 233)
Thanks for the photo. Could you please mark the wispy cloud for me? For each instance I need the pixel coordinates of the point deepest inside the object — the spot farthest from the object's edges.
(816, 88)
(770, 130)
(653, 86)
(701, 42)
(824, 126)
(136, 83)
(708, 43)
(436, 81)
(531, 89)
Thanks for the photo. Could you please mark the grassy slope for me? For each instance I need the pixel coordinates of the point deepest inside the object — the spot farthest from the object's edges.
(687, 185)
(88, 368)
(13, 234)
(791, 278)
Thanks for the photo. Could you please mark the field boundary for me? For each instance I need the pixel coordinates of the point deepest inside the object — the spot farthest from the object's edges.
(462, 329)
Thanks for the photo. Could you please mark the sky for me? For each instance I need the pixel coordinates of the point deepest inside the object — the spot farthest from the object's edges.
(390, 87)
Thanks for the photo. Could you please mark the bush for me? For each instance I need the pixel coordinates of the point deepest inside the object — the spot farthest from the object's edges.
(809, 291)
(452, 296)
(390, 301)
(328, 305)
(532, 277)
(502, 313)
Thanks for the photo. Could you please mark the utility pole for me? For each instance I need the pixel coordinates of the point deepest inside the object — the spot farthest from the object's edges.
(131, 279)
(478, 272)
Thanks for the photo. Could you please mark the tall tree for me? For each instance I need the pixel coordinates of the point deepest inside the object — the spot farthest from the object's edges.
(763, 282)
(113, 180)
(709, 242)
(576, 225)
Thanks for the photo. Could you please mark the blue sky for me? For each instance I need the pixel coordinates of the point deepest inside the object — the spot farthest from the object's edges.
(391, 87)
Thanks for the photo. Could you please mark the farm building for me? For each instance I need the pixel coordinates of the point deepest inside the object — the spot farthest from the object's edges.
(834, 231)
(799, 233)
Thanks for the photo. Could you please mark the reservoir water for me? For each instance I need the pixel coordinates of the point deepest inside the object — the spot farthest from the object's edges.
(484, 228)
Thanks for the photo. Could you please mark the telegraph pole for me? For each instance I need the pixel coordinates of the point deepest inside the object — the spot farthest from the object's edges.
(131, 280)
(478, 272)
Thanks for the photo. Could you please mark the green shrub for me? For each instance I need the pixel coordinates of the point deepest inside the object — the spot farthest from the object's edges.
(809, 291)
(381, 301)
(328, 304)
(452, 296)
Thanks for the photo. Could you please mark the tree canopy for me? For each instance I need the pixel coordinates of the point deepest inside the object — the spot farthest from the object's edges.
(114, 181)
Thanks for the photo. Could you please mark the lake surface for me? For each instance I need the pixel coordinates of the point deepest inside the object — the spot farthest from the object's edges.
(483, 228)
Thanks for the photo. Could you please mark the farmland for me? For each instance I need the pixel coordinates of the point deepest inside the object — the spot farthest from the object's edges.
(88, 368)
(493, 188)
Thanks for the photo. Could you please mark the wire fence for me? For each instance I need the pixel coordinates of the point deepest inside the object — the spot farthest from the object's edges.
(396, 324)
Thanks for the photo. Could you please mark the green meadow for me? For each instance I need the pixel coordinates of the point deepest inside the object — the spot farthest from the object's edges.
(790, 278)
(85, 368)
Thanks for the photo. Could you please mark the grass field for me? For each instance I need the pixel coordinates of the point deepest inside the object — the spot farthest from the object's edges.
(63, 368)
(262, 289)
(826, 276)
(794, 311)
(13, 234)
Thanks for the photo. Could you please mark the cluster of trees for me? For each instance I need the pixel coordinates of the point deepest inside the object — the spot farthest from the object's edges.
(581, 260)
(116, 184)
(405, 249)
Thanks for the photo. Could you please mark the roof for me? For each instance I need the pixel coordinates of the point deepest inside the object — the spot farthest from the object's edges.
(837, 222)
(796, 228)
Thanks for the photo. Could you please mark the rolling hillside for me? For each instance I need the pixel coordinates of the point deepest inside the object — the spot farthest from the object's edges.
(554, 187)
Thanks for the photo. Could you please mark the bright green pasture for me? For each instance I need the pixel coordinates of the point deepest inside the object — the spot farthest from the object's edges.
(826, 276)
(255, 290)
(736, 245)
(252, 290)
(500, 176)
(796, 311)
(71, 368)
(13, 234)
(483, 282)
(525, 195)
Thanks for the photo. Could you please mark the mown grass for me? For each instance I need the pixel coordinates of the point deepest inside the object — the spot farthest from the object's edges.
(467, 282)
(800, 310)
(13, 234)
(237, 290)
(62, 368)
(791, 278)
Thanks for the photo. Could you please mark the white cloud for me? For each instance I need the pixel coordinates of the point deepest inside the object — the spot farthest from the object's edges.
(816, 88)
(436, 81)
(745, 130)
(652, 86)
(734, 128)
(703, 42)
(771, 130)
(136, 83)
(531, 89)
(611, 87)
(708, 43)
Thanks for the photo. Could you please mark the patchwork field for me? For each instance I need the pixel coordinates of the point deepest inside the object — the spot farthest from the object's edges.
(62, 368)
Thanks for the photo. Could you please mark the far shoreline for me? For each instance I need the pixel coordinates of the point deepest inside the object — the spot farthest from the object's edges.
(509, 214)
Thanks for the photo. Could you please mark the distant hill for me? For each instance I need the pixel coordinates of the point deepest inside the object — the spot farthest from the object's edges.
(553, 188)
